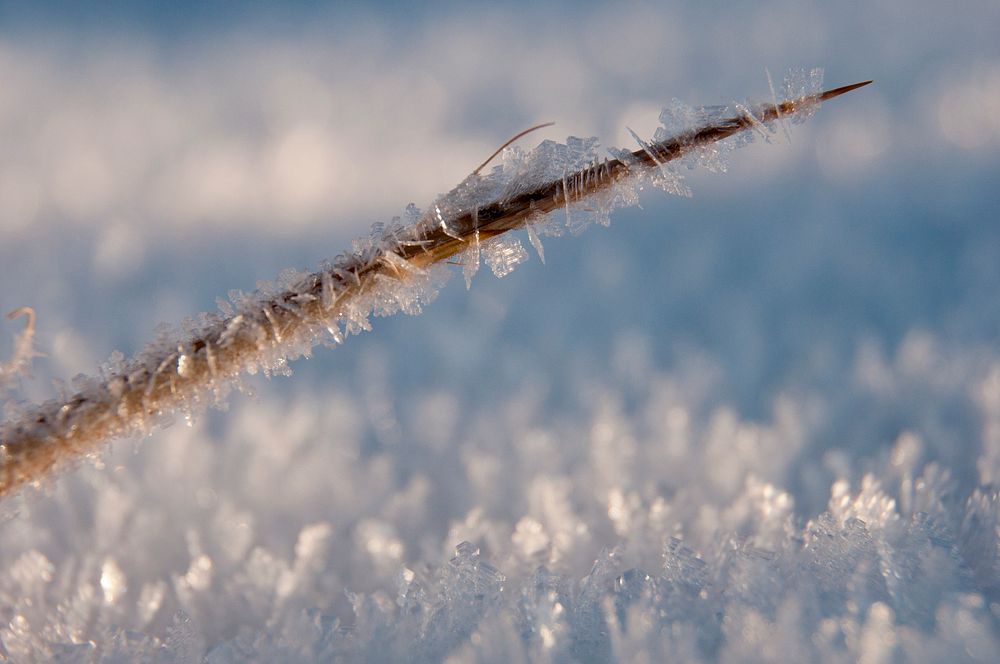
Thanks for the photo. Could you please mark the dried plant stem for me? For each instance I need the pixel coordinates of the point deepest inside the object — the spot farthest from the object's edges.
(150, 387)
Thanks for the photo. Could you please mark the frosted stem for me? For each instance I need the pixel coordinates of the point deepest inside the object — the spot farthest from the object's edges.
(267, 331)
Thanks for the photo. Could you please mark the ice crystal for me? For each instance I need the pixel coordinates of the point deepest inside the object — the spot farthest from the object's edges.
(471, 260)
(503, 254)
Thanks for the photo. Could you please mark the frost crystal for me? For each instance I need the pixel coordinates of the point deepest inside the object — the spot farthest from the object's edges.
(535, 241)
(503, 254)
(802, 83)
(471, 260)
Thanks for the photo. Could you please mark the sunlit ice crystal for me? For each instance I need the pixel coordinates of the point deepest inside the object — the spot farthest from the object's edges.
(470, 259)
(503, 254)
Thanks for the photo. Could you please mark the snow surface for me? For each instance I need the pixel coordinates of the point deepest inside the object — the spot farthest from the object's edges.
(759, 424)
(643, 519)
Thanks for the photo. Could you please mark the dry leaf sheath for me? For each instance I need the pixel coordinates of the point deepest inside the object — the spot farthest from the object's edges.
(268, 329)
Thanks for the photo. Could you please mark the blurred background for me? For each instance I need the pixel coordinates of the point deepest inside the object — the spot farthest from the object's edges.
(824, 310)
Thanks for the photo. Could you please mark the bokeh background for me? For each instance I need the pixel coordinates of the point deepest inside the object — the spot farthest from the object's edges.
(714, 376)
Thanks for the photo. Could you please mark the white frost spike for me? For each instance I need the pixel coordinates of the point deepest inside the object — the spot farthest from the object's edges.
(758, 127)
(335, 333)
(444, 224)
(535, 241)
(566, 196)
(503, 254)
(470, 260)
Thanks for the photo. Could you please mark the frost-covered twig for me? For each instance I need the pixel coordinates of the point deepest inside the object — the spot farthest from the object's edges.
(395, 269)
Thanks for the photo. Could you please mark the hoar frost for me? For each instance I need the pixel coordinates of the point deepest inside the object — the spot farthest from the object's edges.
(644, 551)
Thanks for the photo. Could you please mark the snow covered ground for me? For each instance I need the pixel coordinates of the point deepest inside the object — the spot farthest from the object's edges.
(762, 423)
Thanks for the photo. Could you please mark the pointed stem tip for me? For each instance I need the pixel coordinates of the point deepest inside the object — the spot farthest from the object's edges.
(836, 92)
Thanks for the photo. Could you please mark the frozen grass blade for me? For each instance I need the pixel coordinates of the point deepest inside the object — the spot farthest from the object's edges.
(393, 270)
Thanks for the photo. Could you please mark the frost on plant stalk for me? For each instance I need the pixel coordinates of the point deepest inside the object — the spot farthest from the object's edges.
(397, 267)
